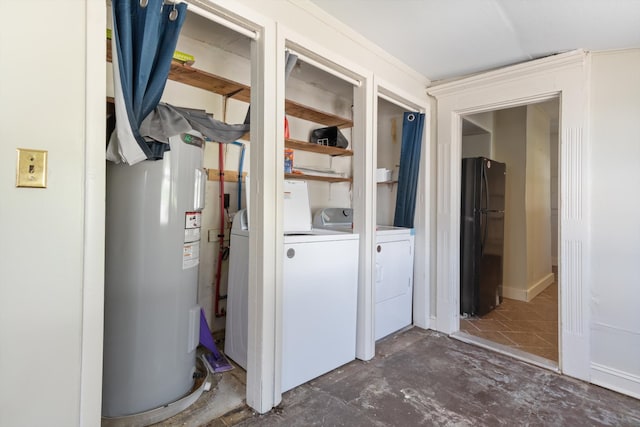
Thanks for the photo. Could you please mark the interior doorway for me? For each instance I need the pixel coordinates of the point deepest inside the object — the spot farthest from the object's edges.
(563, 76)
(524, 232)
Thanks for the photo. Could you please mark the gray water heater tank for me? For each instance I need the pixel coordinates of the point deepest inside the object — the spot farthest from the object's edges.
(151, 329)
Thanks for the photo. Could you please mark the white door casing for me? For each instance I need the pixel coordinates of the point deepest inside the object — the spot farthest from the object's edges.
(565, 76)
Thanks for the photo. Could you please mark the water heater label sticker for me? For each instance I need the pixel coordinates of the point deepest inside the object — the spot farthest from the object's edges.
(190, 255)
(192, 219)
(191, 235)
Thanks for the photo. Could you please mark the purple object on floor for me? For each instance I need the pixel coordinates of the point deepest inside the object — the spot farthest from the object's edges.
(216, 359)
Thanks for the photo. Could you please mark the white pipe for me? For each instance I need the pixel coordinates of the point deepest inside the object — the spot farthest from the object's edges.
(197, 9)
(327, 69)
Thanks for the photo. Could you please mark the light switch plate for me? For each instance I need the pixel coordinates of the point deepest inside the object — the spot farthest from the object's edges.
(31, 169)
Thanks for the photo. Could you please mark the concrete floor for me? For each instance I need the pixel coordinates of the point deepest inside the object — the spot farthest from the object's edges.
(422, 377)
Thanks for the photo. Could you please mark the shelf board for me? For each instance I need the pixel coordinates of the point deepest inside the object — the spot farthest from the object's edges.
(191, 76)
(387, 182)
(316, 178)
(304, 112)
(316, 148)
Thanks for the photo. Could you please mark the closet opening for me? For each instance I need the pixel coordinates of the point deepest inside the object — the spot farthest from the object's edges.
(394, 238)
(168, 224)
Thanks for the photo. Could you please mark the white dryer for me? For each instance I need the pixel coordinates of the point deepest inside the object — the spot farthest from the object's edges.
(394, 279)
(394, 269)
(320, 286)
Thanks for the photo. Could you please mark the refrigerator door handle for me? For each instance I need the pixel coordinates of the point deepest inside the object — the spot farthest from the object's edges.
(483, 209)
(483, 230)
(485, 181)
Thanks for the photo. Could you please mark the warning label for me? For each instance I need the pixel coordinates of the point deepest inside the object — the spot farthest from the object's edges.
(191, 235)
(192, 219)
(190, 255)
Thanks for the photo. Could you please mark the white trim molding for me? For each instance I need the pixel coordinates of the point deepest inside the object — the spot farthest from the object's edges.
(614, 379)
(94, 218)
(615, 363)
(565, 76)
(530, 292)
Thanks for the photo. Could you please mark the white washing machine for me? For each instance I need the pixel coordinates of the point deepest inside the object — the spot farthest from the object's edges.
(394, 269)
(320, 285)
(236, 328)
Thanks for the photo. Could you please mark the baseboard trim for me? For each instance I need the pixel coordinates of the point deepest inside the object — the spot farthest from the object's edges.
(514, 293)
(533, 291)
(616, 380)
(433, 323)
(542, 284)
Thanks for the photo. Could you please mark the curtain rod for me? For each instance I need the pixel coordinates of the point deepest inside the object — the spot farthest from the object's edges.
(326, 68)
(253, 35)
(398, 103)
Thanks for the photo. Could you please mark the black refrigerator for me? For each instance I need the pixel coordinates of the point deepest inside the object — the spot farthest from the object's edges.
(481, 235)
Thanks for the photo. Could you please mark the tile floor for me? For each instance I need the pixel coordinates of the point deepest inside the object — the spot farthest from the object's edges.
(527, 326)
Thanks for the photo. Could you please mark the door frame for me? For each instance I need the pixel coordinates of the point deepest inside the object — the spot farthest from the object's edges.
(565, 76)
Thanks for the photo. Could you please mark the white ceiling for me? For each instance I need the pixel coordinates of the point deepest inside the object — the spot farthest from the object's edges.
(443, 39)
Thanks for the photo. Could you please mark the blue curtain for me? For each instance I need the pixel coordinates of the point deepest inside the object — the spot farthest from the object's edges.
(144, 37)
(412, 127)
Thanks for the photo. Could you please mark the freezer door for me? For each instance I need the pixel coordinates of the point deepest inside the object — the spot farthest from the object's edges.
(470, 236)
(481, 235)
(492, 230)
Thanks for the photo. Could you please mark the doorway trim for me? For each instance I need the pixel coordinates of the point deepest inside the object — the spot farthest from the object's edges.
(565, 76)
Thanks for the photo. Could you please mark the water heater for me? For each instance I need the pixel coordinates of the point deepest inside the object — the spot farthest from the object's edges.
(153, 215)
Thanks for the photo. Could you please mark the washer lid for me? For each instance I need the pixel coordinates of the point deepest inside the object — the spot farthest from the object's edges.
(297, 214)
(334, 218)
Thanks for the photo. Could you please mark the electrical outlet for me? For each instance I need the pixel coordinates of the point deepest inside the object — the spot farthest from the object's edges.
(31, 169)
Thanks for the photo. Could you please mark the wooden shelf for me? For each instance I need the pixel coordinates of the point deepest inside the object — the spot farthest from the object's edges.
(191, 76)
(304, 112)
(320, 149)
(316, 148)
(316, 178)
(387, 182)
